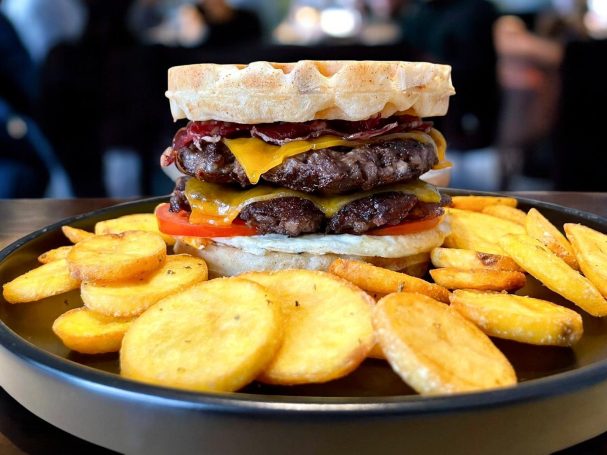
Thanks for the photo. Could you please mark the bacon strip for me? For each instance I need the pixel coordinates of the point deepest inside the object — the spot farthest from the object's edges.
(281, 132)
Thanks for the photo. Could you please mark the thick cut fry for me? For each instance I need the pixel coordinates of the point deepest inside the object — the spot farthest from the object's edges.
(506, 212)
(130, 298)
(382, 281)
(75, 235)
(590, 248)
(54, 254)
(478, 203)
(328, 329)
(117, 257)
(470, 260)
(135, 222)
(554, 273)
(482, 279)
(37, 284)
(479, 231)
(518, 318)
(88, 332)
(436, 350)
(543, 230)
(215, 336)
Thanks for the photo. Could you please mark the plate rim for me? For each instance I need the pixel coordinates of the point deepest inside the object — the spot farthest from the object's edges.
(286, 405)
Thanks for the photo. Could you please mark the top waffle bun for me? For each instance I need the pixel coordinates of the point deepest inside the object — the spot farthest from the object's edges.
(264, 92)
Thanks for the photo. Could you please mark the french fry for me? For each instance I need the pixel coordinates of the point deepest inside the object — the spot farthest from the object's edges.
(470, 260)
(135, 222)
(479, 231)
(328, 329)
(538, 227)
(554, 273)
(518, 318)
(216, 336)
(39, 283)
(130, 298)
(75, 235)
(87, 332)
(54, 254)
(436, 350)
(116, 257)
(590, 248)
(478, 203)
(481, 279)
(382, 281)
(506, 212)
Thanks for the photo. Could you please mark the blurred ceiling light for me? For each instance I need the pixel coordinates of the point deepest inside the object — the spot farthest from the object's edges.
(595, 19)
(306, 17)
(340, 22)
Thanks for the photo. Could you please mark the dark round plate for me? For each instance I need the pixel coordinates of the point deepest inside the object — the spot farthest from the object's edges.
(558, 403)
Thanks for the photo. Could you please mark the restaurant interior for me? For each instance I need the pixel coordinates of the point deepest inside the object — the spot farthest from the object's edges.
(82, 82)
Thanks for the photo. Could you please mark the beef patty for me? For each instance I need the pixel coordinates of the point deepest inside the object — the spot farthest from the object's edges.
(329, 171)
(294, 216)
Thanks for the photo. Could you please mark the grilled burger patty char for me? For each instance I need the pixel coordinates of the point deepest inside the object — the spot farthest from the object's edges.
(333, 170)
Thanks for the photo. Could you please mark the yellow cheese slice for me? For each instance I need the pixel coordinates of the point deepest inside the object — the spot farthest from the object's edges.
(256, 156)
(224, 203)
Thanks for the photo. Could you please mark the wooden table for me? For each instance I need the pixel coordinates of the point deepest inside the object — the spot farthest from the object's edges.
(23, 433)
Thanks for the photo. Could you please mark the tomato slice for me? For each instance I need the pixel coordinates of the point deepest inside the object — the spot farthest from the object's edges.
(179, 224)
(408, 227)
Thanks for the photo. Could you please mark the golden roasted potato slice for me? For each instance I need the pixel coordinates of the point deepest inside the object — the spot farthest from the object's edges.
(54, 254)
(217, 335)
(478, 203)
(436, 350)
(85, 331)
(554, 273)
(470, 260)
(328, 329)
(518, 318)
(39, 283)
(75, 235)
(481, 279)
(590, 248)
(383, 281)
(479, 231)
(376, 352)
(506, 212)
(541, 229)
(117, 257)
(130, 298)
(134, 222)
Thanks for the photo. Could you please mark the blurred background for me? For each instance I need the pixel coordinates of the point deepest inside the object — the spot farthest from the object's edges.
(83, 113)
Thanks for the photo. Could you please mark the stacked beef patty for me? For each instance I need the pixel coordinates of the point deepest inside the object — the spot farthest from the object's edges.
(326, 172)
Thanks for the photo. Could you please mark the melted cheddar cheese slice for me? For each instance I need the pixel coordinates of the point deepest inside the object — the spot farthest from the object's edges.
(256, 156)
(220, 205)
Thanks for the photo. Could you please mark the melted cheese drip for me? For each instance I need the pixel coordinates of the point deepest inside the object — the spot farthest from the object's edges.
(256, 156)
(218, 204)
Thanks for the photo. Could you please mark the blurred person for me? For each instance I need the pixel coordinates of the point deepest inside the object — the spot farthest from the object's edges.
(23, 167)
(74, 100)
(460, 33)
(529, 69)
(41, 24)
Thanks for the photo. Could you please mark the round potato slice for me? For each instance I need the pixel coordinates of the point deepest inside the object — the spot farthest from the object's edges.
(436, 350)
(130, 298)
(116, 257)
(328, 329)
(88, 332)
(134, 222)
(215, 336)
(39, 283)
